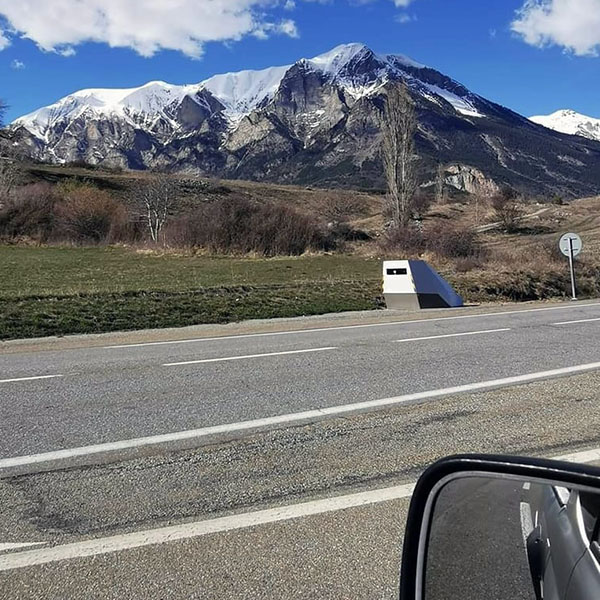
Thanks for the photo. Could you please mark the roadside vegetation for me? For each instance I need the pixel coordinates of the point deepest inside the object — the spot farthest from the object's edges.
(86, 250)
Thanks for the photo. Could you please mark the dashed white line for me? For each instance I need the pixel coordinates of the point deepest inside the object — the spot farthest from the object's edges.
(450, 335)
(341, 327)
(287, 419)
(18, 379)
(579, 321)
(246, 356)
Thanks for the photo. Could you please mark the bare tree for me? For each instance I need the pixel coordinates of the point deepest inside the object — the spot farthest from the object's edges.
(10, 174)
(398, 123)
(508, 209)
(156, 199)
(440, 190)
(9, 167)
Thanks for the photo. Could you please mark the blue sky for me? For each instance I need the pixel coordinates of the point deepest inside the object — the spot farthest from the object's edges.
(534, 56)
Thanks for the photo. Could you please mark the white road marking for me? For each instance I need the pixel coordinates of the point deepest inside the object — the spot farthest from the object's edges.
(526, 522)
(579, 321)
(320, 329)
(17, 379)
(527, 486)
(7, 547)
(184, 531)
(587, 456)
(449, 335)
(288, 419)
(212, 360)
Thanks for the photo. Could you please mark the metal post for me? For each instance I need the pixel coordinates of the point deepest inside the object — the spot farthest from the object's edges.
(572, 269)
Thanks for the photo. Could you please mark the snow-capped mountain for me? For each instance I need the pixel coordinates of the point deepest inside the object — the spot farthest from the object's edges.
(313, 122)
(238, 93)
(571, 122)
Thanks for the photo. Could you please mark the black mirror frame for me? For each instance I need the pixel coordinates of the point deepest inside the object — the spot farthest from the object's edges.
(534, 468)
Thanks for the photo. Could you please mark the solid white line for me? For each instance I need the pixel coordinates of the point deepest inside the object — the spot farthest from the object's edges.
(212, 360)
(29, 378)
(7, 547)
(580, 321)
(449, 335)
(184, 531)
(341, 327)
(287, 419)
(586, 456)
(174, 533)
(526, 522)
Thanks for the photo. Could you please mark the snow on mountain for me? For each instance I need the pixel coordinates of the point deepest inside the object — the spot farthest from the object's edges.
(148, 101)
(239, 93)
(463, 105)
(570, 122)
(332, 62)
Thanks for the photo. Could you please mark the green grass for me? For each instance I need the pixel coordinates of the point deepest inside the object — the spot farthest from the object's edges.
(59, 291)
(49, 271)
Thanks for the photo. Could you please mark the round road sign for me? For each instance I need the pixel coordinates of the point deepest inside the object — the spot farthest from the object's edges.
(568, 241)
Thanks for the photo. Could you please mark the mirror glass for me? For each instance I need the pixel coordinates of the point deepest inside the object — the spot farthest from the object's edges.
(502, 539)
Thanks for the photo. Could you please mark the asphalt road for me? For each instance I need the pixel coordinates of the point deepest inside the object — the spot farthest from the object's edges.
(313, 508)
(102, 393)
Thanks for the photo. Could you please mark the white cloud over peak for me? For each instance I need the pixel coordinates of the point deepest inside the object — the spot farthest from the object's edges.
(571, 24)
(404, 18)
(146, 26)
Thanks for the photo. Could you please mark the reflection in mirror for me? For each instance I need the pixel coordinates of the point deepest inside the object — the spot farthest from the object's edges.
(508, 539)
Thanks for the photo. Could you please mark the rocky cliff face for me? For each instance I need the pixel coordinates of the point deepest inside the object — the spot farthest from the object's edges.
(314, 123)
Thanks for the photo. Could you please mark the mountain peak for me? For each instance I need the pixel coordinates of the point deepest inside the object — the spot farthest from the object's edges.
(571, 122)
(336, 59)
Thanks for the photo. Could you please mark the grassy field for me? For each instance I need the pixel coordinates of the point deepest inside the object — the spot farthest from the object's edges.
(48, 290)
(50, 271)
(58, 291)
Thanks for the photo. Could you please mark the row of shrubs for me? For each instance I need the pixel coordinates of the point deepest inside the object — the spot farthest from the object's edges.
(447, 240)
(83, 215)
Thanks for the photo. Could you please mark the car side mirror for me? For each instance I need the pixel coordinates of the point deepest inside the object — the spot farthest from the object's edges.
(504, 528)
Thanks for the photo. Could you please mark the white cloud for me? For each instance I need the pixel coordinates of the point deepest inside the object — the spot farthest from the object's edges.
(572, 24)
(289, 5)
(4, 41)
(146, 26)
(404, 18)
(17, 64)
(286, 27)
(403, 3)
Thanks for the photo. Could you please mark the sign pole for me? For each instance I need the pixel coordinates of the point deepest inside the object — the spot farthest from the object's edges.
(572, 269)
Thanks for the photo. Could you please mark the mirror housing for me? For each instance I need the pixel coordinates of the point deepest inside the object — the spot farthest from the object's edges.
(429, 485)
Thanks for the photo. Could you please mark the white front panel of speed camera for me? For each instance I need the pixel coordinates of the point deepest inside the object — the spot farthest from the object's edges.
(397, 278)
